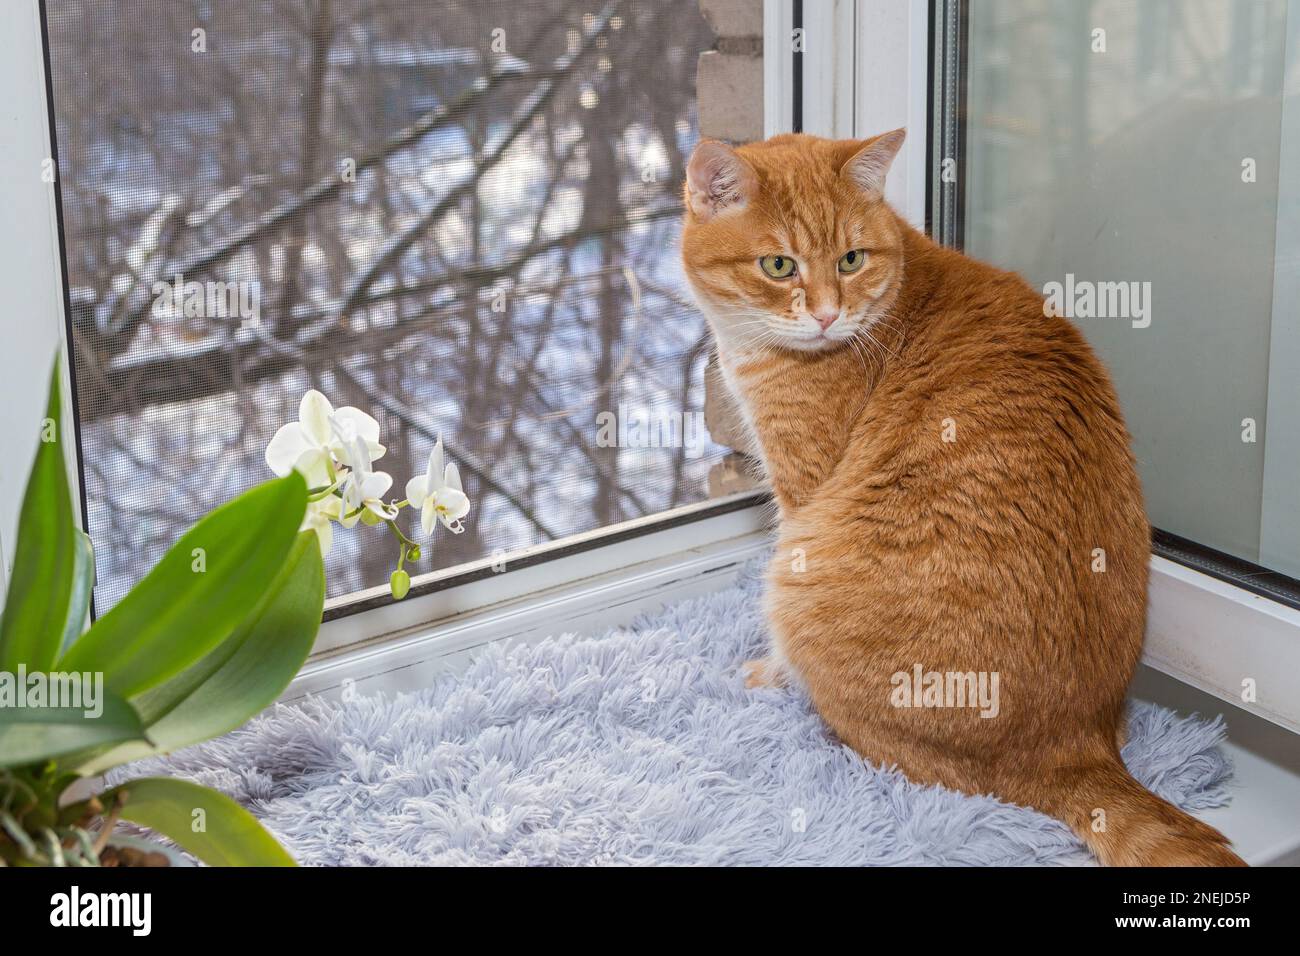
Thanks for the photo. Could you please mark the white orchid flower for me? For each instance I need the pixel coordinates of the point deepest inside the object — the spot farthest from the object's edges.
(335, 451)
(319, 435)
(438, 495)
(363, 488)
(319, 516)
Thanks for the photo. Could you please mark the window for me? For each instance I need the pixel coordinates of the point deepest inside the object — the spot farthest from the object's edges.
(461, 217)
(409, 195)
(1133, 159)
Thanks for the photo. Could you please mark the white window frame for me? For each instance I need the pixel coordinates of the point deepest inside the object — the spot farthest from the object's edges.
(535, 572)
(1279, 519)
(865, 73)
(31, 270)
(778, 66)
(866, 64)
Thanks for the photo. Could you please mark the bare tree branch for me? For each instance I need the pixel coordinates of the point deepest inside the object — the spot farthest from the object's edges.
(159, 380)
(535, 105)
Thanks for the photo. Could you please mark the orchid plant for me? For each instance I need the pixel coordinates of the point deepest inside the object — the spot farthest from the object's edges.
(335, 451)
(191, 652)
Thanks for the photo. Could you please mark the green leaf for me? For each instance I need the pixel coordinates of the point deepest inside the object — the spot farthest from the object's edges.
(244, 675)
(229, 834)
(53, 570)
(35, 734)
(204, 587)
(83, 555)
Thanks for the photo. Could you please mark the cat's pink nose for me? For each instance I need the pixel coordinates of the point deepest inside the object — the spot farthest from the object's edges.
(826, 319)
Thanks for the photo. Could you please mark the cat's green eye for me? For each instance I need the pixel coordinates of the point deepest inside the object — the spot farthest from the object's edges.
(777, 267)
(852, 260)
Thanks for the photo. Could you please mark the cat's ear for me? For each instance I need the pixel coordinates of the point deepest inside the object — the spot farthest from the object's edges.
(718, 180)
(867, 168)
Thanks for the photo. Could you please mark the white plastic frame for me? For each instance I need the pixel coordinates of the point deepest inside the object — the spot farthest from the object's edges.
(865, 72)
(31, 272)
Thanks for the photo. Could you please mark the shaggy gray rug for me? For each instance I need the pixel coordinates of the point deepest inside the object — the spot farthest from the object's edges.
(638, 747)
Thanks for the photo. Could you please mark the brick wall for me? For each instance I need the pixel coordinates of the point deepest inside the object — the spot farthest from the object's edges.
(729, 79)
(729, 91)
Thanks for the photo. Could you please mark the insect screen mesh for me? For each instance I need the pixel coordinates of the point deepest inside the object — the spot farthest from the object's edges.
(458, 216)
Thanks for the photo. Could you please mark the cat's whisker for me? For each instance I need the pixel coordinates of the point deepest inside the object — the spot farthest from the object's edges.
(866, 332)
(866, 373)
(867, 345)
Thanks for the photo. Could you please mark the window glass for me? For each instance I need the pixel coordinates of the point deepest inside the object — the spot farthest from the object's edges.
(1136, 160)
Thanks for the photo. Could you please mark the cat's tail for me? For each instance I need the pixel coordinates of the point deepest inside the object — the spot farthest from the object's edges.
(1126, 824)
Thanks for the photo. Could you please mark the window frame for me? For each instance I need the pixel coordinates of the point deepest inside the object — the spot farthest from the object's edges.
(32, 270)
(883, 51)
(1278, 522)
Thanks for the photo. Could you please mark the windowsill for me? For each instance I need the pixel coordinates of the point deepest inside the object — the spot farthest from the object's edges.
(524, 576)
(1263, 819)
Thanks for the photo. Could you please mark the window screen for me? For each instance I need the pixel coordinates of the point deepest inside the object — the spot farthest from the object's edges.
(459, 216)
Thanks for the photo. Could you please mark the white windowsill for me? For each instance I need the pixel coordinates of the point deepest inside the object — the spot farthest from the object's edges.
(1263, 819)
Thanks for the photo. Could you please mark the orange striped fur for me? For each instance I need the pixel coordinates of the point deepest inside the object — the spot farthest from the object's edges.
(956, 491)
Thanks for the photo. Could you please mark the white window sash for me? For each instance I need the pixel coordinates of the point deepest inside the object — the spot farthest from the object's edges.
(866, 72)
(31, 271)
(778, 66)
(544, 567)
(1279, 517)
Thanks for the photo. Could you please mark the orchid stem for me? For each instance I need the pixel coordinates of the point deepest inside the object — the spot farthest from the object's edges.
(406, 542)
(317, 494)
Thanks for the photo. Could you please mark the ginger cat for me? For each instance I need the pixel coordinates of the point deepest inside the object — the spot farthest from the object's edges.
(956, 489)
